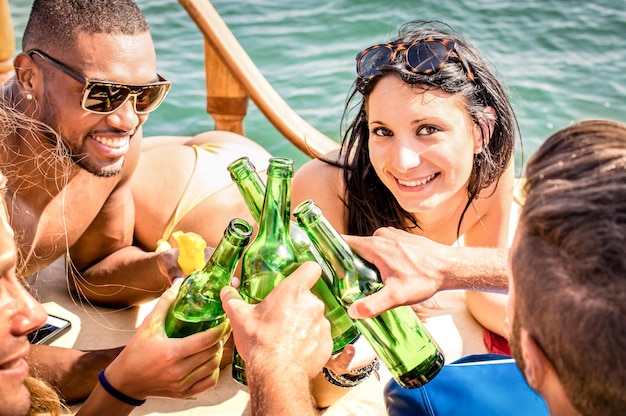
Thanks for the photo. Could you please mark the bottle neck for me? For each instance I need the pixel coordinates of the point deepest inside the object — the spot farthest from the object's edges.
(334, 249)
(274, 219)
(231, 245)
(352, 276)
(223, 252)
(252, 190)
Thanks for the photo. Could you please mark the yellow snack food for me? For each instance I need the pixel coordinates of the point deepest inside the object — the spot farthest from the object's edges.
(190, 251)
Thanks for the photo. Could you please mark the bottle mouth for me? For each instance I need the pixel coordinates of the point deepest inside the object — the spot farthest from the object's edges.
(280, 166)
(306, 212)
(240, 168)
(241, 228)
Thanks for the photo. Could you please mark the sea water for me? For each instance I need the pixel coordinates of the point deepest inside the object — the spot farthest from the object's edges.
(562, 60)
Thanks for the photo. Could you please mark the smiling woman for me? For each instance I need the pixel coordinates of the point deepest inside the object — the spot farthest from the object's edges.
(428, 152)
(433, 131)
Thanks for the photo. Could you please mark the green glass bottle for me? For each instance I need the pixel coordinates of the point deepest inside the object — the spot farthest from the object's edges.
(198, 306)
(397, 336)
(252, 189)
(270, 258)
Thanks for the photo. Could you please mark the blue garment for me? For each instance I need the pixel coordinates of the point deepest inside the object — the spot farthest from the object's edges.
(482, 384)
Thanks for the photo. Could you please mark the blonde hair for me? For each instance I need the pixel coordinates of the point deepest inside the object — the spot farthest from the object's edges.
(17, 124)
(44, 399)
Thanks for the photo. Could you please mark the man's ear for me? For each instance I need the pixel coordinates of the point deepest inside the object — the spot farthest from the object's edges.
(26, 73)
(536, 363)
(484, 129)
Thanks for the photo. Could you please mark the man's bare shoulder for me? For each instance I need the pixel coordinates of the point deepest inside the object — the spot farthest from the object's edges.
(132, 158)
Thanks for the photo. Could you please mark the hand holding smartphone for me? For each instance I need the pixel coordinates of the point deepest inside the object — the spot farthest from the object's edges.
(53, 328)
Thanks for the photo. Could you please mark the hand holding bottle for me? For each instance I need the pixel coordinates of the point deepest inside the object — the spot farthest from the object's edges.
(284, 333)
(253, 191)
(397, 336)
(152, 364)
(197, 306)
(403, 272)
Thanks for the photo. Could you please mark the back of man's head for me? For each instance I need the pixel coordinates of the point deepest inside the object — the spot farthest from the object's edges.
(56, 23)
(569, 263)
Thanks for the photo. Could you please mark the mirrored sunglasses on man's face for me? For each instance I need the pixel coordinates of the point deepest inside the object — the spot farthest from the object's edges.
(105, 97)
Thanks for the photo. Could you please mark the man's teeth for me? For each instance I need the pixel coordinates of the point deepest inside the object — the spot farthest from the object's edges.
(417, 183)
(114, 143)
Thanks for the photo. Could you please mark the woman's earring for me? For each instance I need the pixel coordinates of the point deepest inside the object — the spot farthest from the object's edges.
(29, 96)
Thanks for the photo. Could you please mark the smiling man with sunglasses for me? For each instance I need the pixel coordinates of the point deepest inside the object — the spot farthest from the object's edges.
(77, 184)
(104, 98)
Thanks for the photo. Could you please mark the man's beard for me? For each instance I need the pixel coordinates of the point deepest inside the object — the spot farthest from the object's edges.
(81, 159)
(83, 162)
(78, 156)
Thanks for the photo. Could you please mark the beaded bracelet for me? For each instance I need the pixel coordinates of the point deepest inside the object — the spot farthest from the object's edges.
(353, 379)
(118, 394)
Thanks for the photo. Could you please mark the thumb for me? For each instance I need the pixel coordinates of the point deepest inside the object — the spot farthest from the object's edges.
(232, 303)
(228, 292)
(160, 310)
(370, 306)
(344, 359)
(167, 262)
(307, 274)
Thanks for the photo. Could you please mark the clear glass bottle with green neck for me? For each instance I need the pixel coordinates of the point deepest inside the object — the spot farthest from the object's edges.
(198, 306)
(252, 189)
(270, 258)
(397, 336)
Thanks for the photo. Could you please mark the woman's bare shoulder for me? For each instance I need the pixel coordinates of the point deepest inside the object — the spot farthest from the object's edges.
(323, 183)
(318, 173)
(489, 221)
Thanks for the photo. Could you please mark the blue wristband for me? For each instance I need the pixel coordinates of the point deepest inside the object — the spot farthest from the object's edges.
(118, 394)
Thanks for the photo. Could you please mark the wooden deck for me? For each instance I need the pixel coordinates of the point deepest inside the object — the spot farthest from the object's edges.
(449, 322)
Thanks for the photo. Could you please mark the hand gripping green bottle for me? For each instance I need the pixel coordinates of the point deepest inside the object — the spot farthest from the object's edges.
(270, 257)
(397, 336)
(252, 190)
(198, 306)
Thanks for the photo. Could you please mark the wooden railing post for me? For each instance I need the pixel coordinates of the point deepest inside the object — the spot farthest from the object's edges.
(7, 41)
(227, 51)
(226, 101)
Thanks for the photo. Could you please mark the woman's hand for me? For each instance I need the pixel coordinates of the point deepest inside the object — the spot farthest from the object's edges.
(352, 357)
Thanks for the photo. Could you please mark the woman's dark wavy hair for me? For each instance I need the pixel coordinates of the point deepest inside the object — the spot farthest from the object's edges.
(369, 203)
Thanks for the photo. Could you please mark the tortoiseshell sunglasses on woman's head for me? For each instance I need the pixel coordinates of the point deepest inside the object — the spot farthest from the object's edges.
(421, 57)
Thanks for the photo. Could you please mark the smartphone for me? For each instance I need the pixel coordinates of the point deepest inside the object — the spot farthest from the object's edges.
(53, 328)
